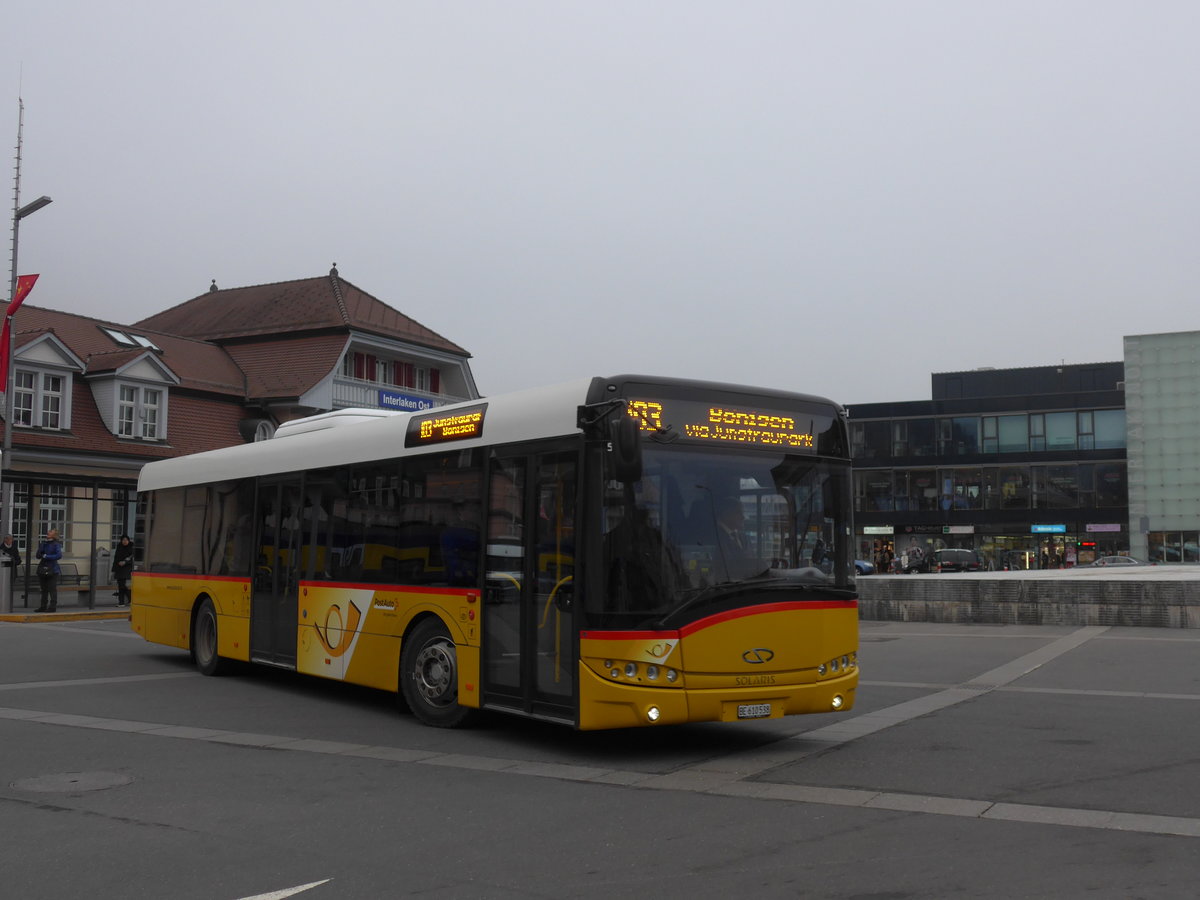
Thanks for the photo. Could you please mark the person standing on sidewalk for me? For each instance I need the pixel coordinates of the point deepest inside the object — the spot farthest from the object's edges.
(122, 569)
(49, 552)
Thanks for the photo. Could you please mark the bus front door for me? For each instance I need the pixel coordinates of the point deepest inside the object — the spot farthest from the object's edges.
(274, 600)
(529, 647)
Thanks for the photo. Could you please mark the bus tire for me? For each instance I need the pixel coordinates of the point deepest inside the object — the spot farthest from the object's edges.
(204, 640)
(429, 676)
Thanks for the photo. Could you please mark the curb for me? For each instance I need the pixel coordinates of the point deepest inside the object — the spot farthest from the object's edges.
(65, 615)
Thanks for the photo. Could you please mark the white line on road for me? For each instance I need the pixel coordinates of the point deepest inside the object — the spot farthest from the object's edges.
(288, 892)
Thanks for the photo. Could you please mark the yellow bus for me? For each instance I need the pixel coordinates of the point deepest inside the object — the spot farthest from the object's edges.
(612, 552)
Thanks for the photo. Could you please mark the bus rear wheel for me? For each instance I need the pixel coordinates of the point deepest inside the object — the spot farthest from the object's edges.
(429, 676)
(204, 640)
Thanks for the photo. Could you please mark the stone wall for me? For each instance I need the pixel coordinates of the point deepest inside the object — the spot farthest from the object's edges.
(1020, 601)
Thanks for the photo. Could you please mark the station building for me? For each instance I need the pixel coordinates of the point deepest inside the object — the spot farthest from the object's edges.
(1041, 466)
(1027, 466)
(94, 400)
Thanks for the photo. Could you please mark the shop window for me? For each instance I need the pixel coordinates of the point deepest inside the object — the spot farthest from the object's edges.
(873, 491)
(920, 488)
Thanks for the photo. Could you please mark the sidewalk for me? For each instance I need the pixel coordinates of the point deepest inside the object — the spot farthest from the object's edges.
(72, 606)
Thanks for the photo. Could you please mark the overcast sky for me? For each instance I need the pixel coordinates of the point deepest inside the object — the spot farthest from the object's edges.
(831, 197)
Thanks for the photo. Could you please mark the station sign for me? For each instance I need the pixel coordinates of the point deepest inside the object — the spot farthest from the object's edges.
(1048, 529)
(403, 402)
(878, 529)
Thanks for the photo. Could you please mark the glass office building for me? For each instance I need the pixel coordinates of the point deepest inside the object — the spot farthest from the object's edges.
(1027, 466)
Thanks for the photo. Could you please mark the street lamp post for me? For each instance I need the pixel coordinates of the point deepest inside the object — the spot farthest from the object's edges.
(19, 213)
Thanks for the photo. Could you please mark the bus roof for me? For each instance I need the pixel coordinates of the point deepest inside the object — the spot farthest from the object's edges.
(534, 414)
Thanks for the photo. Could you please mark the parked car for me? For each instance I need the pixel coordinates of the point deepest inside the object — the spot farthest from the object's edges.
(862, 567)
(1113, 561)
(949, 560)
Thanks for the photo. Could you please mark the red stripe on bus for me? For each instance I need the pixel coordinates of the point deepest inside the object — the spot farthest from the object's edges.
(188, 577)
(716, 619)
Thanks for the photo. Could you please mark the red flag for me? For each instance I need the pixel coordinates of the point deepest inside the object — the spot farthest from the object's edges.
(25, 284)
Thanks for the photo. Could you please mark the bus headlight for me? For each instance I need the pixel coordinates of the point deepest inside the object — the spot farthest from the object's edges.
(652, 673)
(672, 675)
(822, 669)
(653, 714)
(838, 702)
(631, 670)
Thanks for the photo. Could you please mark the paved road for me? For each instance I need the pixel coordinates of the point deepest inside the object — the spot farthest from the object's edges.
(981, 761)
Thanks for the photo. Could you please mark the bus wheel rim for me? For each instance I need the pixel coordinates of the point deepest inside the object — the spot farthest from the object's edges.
(434, 673)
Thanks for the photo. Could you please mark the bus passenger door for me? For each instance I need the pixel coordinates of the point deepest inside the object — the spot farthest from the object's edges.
(529, 646)
(274, 599)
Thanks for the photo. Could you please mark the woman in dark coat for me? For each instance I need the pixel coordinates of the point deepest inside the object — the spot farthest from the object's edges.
(122, 568)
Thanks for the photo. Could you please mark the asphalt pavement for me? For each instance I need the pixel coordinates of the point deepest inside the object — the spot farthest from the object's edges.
(979, 761)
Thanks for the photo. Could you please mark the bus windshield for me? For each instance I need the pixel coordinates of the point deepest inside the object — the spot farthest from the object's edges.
(705, 532)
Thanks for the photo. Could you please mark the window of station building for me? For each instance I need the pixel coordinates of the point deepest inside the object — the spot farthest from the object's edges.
(1173, 546)
(871, 440)
(873, 491)
(1112, 488)
(1014, 487)
(1109, 429)
(1061, 431)
(914, 437)
(958, 436)
(917, 489)
(960, 489)
(1055, 487)
(921, 440)
(1037, 432)
(41, 400)
(1086, 429)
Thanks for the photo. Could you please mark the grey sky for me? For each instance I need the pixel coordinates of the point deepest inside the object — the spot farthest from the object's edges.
(829, 197)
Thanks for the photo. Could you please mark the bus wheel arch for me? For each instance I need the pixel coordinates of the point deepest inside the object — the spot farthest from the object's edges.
(204, 638)
(429, 674)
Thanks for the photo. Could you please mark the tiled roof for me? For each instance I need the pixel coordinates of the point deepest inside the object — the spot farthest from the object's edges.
(198, 364)
(309, 359)
(285, 307)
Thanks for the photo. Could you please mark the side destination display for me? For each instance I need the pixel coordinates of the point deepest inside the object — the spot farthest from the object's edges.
(697, 420)
(440, 428)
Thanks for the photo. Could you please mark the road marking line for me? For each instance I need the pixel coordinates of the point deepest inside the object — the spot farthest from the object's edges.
(81, 682)
(288, 892)
(719, 778)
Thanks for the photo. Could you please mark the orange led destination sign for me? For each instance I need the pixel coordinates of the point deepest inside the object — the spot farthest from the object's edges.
(439, 428)
(700, 421)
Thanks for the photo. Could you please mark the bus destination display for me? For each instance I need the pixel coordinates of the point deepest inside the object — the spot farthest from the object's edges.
(701, 421)
(459, 425)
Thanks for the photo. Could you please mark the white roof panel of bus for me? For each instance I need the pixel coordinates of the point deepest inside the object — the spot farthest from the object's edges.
(534, 414)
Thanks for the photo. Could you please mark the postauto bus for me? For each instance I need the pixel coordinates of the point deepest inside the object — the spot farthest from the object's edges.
(613, 552)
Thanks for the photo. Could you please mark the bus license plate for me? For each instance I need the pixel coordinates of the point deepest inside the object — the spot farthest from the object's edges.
(753, 710)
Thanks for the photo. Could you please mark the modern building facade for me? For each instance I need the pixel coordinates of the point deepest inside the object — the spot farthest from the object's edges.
(1026, 466)
(92, 401)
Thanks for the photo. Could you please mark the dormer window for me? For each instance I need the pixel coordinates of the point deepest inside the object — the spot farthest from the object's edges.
(40, 400)
(140, 412)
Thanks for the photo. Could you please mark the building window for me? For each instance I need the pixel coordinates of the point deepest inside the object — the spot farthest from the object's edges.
(141, 413)
(1037, 432)
(40, 399)
(1109, 429)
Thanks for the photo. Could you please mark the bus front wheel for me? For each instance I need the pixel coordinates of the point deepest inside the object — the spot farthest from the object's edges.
(429, 676)
(204, 639)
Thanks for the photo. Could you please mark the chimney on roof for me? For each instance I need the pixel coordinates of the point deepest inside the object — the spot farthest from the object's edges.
(212, 288)
(333, 273)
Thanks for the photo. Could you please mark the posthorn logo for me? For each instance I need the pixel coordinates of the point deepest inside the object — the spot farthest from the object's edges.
(758, 655)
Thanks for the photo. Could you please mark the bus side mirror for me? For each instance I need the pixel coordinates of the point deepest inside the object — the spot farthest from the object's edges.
(627, 449)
